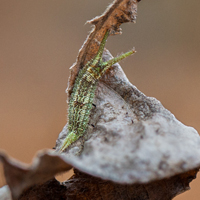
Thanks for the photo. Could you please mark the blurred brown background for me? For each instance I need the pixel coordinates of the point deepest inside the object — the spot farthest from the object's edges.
(40, 39)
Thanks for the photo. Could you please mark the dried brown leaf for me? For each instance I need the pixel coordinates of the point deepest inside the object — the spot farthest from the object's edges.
(20, 176)
(120, 11)
(82, 186)
(139, 148)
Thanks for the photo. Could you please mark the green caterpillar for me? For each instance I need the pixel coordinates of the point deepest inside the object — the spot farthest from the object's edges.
(81, 100)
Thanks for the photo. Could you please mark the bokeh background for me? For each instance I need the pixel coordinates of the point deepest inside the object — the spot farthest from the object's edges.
(40, 39)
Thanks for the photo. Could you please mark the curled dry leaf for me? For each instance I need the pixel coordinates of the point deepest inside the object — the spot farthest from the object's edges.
(20, 176)
(134, 138)
(134, 141)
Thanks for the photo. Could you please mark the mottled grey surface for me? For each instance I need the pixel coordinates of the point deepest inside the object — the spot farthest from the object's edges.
(135, 139)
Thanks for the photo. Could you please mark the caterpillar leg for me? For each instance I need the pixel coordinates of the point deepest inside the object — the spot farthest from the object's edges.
(94, 105)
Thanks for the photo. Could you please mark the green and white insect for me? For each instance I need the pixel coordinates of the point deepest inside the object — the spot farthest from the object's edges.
(81, 100)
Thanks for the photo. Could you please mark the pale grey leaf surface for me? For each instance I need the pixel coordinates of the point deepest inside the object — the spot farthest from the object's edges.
(5, 193)
(135, 139)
